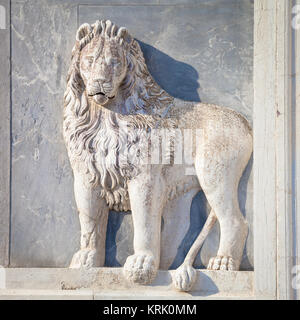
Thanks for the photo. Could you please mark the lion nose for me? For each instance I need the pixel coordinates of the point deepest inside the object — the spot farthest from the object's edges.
(95, 84)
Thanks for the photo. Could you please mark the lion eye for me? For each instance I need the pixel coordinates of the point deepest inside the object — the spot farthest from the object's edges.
(116, 63)
(90, 60)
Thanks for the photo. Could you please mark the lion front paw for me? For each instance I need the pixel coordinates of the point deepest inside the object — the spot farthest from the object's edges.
(86, 258)
(184, 277)
(140, 268)
(222, 263)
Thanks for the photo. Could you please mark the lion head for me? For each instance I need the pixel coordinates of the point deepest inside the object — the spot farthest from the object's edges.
(107, 62)
(108, 68)
(103, 64)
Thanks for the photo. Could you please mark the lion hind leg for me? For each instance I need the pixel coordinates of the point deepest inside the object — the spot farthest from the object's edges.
(219, 173)
(234, 230)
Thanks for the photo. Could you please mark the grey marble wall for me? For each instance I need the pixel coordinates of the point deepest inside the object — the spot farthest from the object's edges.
(196, 50)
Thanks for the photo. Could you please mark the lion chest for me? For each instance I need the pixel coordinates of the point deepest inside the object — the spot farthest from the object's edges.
(109, 149)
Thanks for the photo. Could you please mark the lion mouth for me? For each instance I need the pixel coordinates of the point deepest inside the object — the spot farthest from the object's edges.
(101, 94)
(100, 97)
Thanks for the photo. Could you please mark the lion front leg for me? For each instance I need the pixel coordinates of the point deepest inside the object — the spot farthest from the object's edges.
(93, 215)
(146, 197)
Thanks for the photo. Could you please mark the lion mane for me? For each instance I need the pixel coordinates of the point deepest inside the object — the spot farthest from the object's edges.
(96, 137)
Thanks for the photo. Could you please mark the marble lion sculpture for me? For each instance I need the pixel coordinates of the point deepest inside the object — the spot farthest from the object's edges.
(113, 110)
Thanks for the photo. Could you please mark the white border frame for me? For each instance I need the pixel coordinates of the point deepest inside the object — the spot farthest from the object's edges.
(276, 150)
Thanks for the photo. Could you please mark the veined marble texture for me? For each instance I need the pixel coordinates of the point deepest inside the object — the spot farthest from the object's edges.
(195, 50)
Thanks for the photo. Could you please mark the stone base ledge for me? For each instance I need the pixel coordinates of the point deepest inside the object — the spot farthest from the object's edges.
(109, 283)
(37, 294)
(82, 294)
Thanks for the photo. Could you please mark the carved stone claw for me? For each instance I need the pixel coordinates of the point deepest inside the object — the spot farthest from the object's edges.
(184, 277)
(222, 263)
(140, 268)
(85, 258)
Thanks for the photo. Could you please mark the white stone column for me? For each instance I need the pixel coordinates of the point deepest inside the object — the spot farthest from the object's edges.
(276, 146)
(296, 138)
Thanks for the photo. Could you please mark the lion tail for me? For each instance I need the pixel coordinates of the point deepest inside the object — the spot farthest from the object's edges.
(209, 223)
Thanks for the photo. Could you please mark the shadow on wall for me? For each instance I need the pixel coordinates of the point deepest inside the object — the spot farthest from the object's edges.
(177, 78)
(180, 80)
(198, 215)
(115, 220)
(246, 264)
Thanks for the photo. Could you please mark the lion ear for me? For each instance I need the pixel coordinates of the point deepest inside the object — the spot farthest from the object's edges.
(124, 35)
(83, 31)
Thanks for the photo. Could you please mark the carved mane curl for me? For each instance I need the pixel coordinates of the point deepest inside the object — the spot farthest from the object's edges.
(96, 136)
